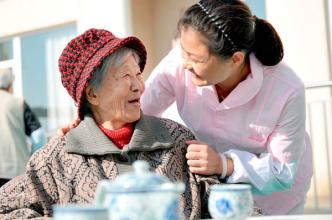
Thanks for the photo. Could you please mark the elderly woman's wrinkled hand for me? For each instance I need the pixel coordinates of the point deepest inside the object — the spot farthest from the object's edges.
(64, 130)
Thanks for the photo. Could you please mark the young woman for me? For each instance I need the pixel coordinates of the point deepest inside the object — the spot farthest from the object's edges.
(245, 106)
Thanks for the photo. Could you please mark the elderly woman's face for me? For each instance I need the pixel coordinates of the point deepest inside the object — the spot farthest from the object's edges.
(117, 102)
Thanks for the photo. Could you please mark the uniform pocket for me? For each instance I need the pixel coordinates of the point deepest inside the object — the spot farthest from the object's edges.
(258, 133)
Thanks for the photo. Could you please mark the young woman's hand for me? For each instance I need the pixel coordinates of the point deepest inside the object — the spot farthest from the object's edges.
(62, 131)
(203, 159)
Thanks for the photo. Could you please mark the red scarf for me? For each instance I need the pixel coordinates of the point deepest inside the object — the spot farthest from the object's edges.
(119, 137)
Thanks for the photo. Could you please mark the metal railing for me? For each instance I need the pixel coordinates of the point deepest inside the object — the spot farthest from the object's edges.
(315, 85)
(319, 126)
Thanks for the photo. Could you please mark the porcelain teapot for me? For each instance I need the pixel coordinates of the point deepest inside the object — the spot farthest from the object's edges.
(140, 195)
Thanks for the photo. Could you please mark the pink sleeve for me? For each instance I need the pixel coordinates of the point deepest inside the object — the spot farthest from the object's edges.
(159, 93)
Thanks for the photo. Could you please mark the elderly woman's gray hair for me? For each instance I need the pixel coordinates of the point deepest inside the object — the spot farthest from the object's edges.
(6, 78)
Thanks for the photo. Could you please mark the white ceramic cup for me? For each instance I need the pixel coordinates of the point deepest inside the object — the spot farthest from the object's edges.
(230, 201)
(79, 212)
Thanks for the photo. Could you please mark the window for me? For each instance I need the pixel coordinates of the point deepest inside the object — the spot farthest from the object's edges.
(41, 82)
(33, 59)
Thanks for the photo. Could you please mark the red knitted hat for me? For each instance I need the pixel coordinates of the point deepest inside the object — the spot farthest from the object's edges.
(85, 53)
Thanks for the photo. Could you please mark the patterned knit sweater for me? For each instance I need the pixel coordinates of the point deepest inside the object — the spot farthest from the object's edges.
(68, 169)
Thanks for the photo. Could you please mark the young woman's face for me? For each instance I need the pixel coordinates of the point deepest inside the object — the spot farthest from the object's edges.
(206, 68)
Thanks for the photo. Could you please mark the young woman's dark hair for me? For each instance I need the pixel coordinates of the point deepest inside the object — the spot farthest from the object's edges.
(229, 26)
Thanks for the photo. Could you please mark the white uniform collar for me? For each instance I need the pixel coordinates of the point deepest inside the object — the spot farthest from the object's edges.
(248, 88)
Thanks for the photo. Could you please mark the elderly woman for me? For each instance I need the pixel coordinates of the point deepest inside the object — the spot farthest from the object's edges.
(103, 74)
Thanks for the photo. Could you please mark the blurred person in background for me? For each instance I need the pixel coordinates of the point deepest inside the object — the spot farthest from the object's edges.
(17, 123)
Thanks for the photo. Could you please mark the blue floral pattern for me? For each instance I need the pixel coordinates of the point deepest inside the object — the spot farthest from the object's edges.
(230, 201)
(224, 206)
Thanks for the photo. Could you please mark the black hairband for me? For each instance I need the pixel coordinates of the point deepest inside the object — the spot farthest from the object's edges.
(213, 19)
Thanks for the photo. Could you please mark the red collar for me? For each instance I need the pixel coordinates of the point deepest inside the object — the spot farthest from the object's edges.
(119, 137)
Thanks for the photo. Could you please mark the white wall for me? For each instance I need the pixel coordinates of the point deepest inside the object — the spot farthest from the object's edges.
(20, 16)
(113, 15)
(301, 25)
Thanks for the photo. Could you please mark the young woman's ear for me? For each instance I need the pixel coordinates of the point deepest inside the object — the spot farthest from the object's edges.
(238, 57)
(91, 96)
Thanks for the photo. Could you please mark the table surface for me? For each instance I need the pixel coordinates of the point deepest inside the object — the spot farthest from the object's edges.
(292, 217)
(272, 217)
